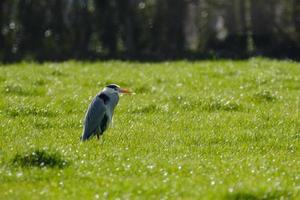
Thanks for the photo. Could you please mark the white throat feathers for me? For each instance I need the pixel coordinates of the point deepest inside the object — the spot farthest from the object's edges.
(110, 90)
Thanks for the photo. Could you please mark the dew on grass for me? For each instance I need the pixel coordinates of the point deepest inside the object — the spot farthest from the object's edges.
(179, 84)
(150, 167)
(127, 167)
(105, 194)
(61, 183)
(166, 180)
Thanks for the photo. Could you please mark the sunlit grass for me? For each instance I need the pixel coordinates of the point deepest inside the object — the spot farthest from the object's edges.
(193, 130)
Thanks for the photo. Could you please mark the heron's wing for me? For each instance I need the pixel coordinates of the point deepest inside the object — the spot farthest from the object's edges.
(104, 123)
(94, 118)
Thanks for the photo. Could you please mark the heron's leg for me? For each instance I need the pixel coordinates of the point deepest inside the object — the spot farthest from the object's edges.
(98, 132)
(102, 138)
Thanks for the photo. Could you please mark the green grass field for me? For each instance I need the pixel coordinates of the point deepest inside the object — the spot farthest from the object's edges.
(194, 130)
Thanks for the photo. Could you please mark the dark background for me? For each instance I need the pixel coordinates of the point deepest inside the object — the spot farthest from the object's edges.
(148, 29)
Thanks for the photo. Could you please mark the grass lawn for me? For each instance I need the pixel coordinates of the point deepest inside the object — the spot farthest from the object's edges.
(194, 130)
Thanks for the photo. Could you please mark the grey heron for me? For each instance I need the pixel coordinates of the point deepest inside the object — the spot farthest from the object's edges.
(100, 112)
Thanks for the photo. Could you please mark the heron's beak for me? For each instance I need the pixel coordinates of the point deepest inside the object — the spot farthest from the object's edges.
(125, 91)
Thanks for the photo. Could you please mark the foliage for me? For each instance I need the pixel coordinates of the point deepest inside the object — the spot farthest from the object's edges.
(148, 29)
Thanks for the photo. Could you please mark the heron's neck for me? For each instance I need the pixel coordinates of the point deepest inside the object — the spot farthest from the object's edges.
(113, 98)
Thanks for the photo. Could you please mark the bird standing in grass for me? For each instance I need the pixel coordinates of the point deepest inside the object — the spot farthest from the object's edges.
(100, 112)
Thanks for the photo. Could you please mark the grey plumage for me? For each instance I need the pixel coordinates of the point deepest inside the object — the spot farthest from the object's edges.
(100, 112)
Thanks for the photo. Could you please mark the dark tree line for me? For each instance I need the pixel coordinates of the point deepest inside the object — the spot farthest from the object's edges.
(148, 29)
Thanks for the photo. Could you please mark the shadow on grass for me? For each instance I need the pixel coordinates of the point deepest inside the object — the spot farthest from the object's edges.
(262, 196)
(144, 89)
(39, 82)
(151, 108)
(41, 159)
(57, 72)
(221, 105)
(19, 90)
(207, 104)
(27, 110)
(265, 96)
(42, 123)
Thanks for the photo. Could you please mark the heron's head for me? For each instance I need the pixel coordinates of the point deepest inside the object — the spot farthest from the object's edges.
(113, 88)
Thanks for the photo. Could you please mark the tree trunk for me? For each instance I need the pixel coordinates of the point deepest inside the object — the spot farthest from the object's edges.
(296, 17)
(107, 22)
(2, 49)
